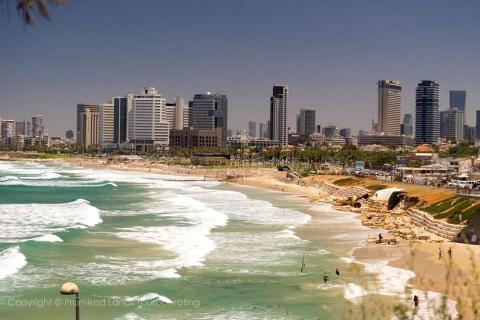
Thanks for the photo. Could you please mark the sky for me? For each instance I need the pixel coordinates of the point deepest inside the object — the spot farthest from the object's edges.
(330, 53)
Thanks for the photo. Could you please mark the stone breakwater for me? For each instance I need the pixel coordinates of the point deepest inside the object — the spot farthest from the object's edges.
(401, 222)
(437, 227)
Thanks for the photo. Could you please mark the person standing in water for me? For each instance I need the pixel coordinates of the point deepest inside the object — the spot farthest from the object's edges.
(450, 253)
(380, 237)
(415, 301)
(325, 278)
(439, 253)
(337, 272)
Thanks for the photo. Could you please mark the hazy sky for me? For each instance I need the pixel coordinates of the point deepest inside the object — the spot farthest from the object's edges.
(330, 53)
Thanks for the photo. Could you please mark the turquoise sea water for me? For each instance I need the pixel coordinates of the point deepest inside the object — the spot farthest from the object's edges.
(146, 246)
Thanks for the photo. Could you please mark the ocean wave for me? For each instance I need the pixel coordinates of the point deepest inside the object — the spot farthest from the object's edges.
(250, 210)
(130, 316)
(22, 222)
(190, 238)
(48, 238)
(11, 261)
(149, 297)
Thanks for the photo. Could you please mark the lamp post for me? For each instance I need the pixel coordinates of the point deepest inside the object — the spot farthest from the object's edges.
(71, 288)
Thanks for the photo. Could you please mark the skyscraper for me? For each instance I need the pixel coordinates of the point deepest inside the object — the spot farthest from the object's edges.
(408, 125)
(452, 125)
(147, 127)
(20, 128)
(210, 111)
(252, 129)
(389, 104)
(278, 115)
(262, 128)
(88, 125)
(177, 114)
(106, 127)
(7, 128)
(38, 126)
(84, 124)
(306, 122)
(458, 99)
(427, 120)
(477, 125)
(69, 134)
(119, 120)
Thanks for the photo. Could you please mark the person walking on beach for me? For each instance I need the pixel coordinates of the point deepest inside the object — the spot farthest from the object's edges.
(325, 278)
(415, 301)
(450, 253)
(337, 272)
(439, 253)
(380, 237)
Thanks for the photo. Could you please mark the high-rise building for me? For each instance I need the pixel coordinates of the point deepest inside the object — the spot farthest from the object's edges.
(319, 129)
(177, 114)
(452, 125)
(252, 129)
(69, 134)
(262, 130)
(107, 116)
(120, 120)
(82, 125)
(469, 134)
(88, 122)
(147, 127)
(427, 119)
(8, 128)
(28, 129)
(407, 125)
(306, 122)
(458, 99)
(210, 111)
(278, 115)
(477, 124)
(389, 105)
(20, 128)
(346, 133)
(38, 126)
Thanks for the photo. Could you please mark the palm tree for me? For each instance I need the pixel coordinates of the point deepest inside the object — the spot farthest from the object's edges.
(28, 9)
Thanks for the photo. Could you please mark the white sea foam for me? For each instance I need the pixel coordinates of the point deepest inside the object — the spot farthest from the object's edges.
(190, 239)
(11, 261)
(48, 238)
(43, 176)
(130, 316)
(353, 292)
(250, 210)
(394, 282)
(149, 297)
(21, 222)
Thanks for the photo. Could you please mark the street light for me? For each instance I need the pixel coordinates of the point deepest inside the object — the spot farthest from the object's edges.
(71, 288)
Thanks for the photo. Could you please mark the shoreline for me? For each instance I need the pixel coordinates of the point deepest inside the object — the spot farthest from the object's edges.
(431, 274)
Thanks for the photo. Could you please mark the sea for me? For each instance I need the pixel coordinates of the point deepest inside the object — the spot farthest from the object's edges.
(149, 246)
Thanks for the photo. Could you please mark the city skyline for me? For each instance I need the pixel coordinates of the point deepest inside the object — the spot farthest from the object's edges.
(319, 59)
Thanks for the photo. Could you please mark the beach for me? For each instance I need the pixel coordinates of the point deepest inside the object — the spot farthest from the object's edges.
(354, 251)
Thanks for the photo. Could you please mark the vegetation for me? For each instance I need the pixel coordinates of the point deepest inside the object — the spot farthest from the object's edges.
(451, 209)
(461, 150)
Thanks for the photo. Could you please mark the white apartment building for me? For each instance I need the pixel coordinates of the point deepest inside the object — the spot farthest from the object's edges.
(148, 125)
(389, 105)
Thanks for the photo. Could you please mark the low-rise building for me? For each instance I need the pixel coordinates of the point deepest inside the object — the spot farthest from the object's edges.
(195, 138)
